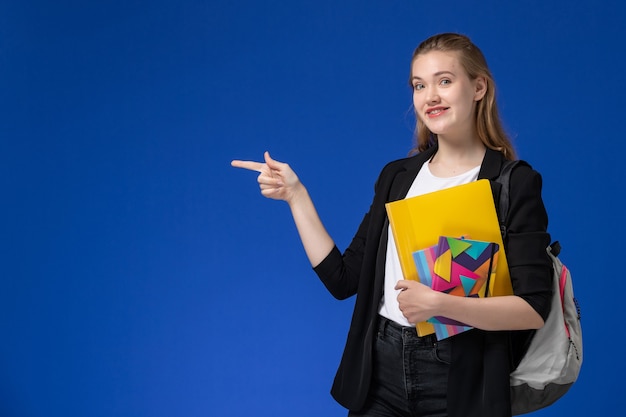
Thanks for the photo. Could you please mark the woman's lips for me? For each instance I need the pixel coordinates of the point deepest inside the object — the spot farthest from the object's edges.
(436, 111)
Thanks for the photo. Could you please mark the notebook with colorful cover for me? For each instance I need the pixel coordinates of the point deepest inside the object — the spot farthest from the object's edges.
(464, 210)
(457, 266)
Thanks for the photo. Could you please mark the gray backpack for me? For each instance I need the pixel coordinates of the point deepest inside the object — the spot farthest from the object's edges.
(552, 360)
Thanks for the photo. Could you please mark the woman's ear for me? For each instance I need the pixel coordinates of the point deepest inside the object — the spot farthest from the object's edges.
(481, 88)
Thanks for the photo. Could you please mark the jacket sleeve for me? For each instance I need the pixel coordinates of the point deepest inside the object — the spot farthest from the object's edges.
(527, 239)
(340, 272)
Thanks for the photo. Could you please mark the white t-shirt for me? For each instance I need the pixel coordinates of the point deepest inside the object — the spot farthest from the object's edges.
(425, 182)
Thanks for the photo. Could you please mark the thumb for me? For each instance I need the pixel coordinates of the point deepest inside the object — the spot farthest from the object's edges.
(402, 285)
(272, 163)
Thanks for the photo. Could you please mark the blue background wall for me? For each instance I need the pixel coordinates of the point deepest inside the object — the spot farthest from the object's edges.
(141, 275)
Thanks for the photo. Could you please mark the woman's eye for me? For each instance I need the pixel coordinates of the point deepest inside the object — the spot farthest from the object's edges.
(418, 86)
(445, 82)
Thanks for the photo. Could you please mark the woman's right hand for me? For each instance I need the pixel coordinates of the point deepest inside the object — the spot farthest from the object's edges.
(276, 179)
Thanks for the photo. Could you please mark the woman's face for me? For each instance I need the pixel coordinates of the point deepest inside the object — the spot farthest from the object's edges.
(444, 97)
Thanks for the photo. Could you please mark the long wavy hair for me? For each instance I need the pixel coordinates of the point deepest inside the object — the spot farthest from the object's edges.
(488, 124)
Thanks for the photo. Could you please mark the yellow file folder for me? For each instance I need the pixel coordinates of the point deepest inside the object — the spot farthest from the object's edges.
(465, 210)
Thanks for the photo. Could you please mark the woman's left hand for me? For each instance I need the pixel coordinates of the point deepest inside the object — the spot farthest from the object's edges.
(417, 301)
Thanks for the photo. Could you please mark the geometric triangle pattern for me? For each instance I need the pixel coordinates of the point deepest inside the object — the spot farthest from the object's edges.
(457, 246)
(443, 265)
(467, 285)
(476, 249)
(459, 267)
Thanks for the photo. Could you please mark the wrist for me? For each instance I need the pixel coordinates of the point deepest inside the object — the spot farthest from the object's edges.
(297, 195)
(444, 304)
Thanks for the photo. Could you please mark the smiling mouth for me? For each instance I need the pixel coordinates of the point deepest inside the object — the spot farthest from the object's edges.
(437, 111)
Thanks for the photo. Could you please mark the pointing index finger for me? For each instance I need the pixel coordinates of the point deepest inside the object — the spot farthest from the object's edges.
(249, 165)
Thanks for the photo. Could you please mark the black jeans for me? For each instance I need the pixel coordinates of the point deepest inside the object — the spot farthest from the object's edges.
(410, 374)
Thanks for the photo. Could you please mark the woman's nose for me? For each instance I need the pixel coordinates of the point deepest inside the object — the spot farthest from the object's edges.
(433, 96)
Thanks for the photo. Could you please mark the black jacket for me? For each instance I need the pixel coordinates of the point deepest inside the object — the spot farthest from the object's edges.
(481, 361)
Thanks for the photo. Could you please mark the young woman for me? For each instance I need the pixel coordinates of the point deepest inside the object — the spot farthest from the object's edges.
(387, 369)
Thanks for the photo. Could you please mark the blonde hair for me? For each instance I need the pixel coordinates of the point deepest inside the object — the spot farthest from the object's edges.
(488, 125)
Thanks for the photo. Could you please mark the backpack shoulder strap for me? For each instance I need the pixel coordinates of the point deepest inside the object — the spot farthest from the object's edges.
(503, 202)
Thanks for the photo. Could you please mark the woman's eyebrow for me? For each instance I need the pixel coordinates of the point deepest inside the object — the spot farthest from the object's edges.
(437, 74)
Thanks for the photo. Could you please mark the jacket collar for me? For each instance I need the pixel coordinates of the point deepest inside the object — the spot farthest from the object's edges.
(491, 165)
(408, 172)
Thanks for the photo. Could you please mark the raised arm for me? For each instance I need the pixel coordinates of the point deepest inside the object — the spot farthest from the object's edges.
(279, 182)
